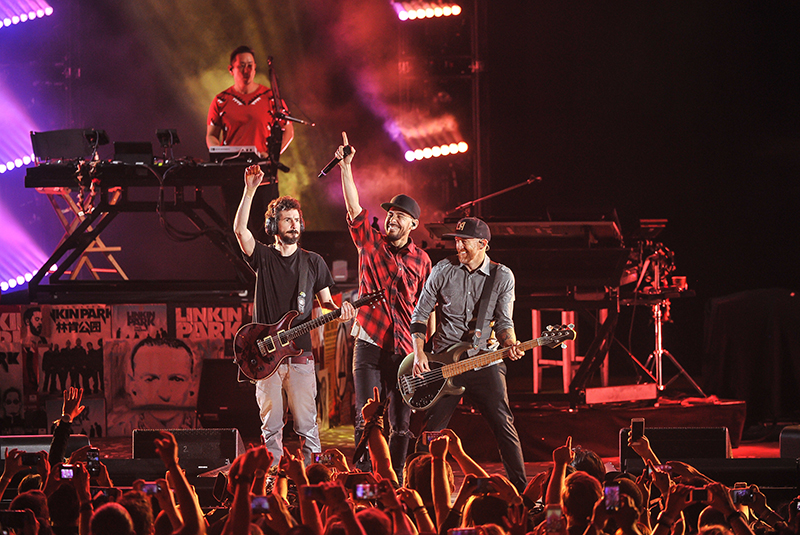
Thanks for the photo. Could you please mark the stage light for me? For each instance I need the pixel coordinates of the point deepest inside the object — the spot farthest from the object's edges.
(410, 156)
(16, 163)
(425, 10)
(3, 286)
(31, 10)
(12, 283)
(462, 147)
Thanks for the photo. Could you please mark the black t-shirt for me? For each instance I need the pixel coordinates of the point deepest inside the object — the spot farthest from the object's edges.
(277, 280)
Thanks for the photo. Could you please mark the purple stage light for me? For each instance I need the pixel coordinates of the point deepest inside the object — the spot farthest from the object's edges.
(16, 11)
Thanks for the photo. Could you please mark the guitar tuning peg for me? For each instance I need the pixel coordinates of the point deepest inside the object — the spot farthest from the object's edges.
(563, 346)
(549, 327)
(571, 326)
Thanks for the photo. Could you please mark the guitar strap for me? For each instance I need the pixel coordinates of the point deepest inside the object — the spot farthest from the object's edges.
(478, 336)
(301, 283)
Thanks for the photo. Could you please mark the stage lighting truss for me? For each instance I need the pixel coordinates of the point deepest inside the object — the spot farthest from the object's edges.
(425, 10)
(16, 162)
(15, 14)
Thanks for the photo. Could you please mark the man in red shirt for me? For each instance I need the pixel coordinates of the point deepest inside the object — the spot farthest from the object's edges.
(243, 115)
(383, 337)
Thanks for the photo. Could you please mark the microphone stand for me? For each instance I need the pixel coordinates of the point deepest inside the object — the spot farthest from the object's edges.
(465, 207)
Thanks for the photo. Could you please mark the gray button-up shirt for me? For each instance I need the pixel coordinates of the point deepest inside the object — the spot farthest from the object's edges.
(458, 292)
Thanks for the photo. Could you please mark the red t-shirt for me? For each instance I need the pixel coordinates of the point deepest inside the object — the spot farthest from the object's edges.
(244, 119)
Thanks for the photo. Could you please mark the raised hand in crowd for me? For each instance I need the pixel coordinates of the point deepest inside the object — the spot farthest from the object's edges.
(465, 462)
(643, 449)
(338, 460)
(243, 472)
(193, 521)
(166, 502)
(416, 509)
(394, 508)
(562, 457)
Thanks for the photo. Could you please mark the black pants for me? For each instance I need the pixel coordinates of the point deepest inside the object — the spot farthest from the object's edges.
(486, 390)
(373, 366)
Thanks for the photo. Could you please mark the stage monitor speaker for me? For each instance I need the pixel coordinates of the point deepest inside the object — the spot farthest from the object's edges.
(790, 442)
(209, 446)
(679, 443)
(37, 443)
(224, 401)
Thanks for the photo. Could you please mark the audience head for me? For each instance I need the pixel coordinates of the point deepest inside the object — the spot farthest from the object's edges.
(375, 521)
(36, 501)
(418, 476)
(589, 462)
(64, 506)
(138, 506)
(318, 473)
(30, 482)
(580, 493)
(711, 517)
(485, 509)
(111, 519)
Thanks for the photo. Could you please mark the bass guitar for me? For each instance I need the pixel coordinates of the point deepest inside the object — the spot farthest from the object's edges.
(421, 392)
(259, 348)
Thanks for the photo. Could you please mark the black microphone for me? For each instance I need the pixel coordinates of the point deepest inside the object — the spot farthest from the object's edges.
(332, 163)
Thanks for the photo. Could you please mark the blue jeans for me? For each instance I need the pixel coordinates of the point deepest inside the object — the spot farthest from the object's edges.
(486, 390)
(373, 366)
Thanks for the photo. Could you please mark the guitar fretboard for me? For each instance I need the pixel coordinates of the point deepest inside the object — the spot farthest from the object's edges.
(457, 368)
(300, 330)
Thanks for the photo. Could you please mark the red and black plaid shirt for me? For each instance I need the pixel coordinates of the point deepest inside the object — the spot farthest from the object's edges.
(401, 273)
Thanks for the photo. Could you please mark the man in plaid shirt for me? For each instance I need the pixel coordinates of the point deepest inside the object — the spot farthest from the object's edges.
(383, 337)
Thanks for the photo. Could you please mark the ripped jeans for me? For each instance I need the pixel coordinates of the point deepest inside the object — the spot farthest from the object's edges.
(373, 366)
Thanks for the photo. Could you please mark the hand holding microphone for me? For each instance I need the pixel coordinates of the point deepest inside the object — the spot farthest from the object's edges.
(342, 152)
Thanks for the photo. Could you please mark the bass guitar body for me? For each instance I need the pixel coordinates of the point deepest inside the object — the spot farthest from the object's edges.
(428, 393)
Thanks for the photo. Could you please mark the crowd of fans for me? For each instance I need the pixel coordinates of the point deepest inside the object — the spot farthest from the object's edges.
(576, 496)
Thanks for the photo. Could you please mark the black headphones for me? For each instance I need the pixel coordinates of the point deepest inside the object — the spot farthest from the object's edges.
(271, 225)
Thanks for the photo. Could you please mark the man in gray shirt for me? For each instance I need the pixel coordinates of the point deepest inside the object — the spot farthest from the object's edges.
(456, 285)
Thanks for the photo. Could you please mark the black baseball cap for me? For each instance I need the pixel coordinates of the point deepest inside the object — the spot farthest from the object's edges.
(404, 203)
(471, 227)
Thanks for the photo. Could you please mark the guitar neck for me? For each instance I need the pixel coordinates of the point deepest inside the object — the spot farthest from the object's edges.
(457, 368)
(310, 325)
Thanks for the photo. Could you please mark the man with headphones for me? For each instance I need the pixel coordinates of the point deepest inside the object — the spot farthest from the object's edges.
(383, 337)
(242, 115)
(286, 279)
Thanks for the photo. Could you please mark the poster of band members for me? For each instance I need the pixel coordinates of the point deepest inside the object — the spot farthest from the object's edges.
(139, 321)
(152, 383)
(11, 409)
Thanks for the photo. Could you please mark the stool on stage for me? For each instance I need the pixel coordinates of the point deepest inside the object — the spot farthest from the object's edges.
(569, 360)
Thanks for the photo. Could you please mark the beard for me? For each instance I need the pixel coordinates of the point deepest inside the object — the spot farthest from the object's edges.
(290, 238)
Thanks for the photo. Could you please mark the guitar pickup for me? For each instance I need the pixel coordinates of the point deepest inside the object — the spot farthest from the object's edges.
(267, 343)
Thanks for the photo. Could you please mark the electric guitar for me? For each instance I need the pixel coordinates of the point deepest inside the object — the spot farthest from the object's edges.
(422, 392)
(259, 348)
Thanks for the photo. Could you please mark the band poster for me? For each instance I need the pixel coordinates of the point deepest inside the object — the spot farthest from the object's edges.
(139, 365)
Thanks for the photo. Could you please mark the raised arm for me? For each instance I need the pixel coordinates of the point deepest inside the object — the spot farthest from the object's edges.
(562, 456)
(253, 176)
(378, 448)
(465, 462)
(348, 184)
(193, 522)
